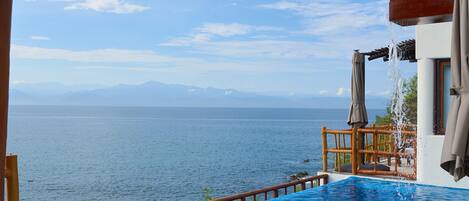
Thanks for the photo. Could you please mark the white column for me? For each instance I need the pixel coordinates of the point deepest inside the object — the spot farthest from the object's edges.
(426, 77)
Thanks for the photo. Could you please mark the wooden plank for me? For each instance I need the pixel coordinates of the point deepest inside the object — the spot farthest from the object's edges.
(339, 151)
(339, 132)
(378, 172)
(5, 37)
(412, 12)
(387, 132)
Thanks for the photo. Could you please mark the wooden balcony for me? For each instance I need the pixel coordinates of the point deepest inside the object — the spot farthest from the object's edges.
(363, 151)
(371, 151)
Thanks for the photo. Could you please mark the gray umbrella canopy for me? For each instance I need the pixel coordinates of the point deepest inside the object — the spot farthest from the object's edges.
(357, 116)
(455, 154)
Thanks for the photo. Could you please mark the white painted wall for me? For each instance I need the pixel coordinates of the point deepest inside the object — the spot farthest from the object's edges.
(433, 41)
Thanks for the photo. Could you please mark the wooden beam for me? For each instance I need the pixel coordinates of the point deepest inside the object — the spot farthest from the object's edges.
(5, 34)
(412, 12)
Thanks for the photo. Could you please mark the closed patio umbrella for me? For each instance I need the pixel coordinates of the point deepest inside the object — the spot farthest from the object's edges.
(357, 116)
(455, 154)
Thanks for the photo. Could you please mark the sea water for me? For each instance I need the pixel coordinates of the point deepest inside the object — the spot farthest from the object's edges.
(137, 153)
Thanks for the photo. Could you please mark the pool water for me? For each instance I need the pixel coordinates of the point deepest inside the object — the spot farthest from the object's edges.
(355, 188)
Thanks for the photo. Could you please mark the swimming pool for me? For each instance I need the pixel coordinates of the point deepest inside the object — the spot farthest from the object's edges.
(355, 188)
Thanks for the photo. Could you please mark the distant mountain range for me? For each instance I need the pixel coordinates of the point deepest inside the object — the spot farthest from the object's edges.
(169, 95)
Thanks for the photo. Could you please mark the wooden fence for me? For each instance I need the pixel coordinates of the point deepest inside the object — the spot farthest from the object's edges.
(281, 189)
(358, 146)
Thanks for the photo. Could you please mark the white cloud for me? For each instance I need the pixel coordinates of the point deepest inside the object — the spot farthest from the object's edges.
(344, 24)
(233, 29)
(97, 55)
(208, 31)
(186, 41)
(203, 41)
(39, 38)
(17, 82)
(337, 28)
(109, 6)
(275, 49)
(324, 17)
(150, 61)
(323, 92)
(225, 30)
(341, 91)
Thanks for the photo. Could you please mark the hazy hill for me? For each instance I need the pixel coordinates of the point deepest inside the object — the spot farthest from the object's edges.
(159, 94)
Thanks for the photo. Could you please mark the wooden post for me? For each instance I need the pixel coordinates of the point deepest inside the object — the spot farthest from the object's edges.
(324, 149)
(13, 190)
(339, 155)
(360, 146)
(375, 148)
(389, 148)
(353, 157)
(336, 161)
(5, 34)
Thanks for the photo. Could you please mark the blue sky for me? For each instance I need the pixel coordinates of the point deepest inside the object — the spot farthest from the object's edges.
(286, 46)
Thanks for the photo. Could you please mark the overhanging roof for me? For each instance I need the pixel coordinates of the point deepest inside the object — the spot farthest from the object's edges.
(412, 12)
(406, 51)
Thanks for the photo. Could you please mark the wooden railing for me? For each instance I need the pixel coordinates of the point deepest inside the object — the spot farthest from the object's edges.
(11, 178)
(354, 147)
(276, 191)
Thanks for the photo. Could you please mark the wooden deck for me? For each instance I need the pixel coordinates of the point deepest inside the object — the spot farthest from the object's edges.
(371, 151)
(364, 151)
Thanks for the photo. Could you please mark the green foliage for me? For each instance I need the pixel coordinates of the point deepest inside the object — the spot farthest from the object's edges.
(207, 192)
(410, 100)
(410, 104)
(298, 188)
(345, 158)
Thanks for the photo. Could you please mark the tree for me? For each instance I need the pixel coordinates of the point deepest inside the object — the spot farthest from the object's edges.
(410, 104)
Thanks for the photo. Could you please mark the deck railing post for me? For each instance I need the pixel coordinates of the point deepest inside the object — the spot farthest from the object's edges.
(12, 184)
(375, 148)
(360, 146)
(324, 149)
(353, 158)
